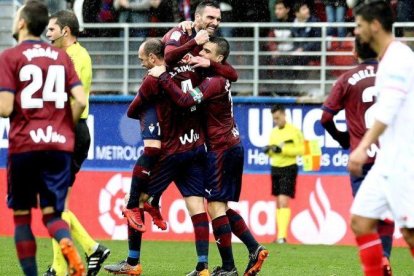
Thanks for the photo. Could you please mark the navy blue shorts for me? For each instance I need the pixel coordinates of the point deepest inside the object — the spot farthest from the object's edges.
(82, 144)
(150, 127)
(356, 181)
(186, 169)
(43, 173)
(224, 174)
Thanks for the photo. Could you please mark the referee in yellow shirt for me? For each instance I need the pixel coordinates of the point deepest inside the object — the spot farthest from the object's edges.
(286, 143)
(62, 31)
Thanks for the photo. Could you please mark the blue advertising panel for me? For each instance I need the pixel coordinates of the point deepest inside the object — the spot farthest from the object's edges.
(116, 141)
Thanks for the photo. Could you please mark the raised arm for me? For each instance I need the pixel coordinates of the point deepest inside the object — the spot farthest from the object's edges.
(174, 52)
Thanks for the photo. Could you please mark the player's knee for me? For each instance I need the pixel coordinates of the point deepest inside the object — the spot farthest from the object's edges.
(362, 226)
(216, 209)
(195, 205)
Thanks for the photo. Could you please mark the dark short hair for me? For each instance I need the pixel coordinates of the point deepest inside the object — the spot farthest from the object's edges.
(36, 15)
(223, 46)
(203, 4)
(364, 50)
(154, 46)
(278, 107)
(379, 10)
(285, 3)
(68, 19)
(298, 5)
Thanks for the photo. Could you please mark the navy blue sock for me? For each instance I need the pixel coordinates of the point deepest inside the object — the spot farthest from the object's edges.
(134, 243)
(56, 226)
(386, 231)
(222, 234)
(141, 174)
(201, 232)
(240, 229)
(25, 244)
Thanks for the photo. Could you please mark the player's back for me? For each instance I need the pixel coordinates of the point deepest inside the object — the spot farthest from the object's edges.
(185, 125)
(395, 81)
(180, 127)
(39, 75)
(354, 91)
(221, 129)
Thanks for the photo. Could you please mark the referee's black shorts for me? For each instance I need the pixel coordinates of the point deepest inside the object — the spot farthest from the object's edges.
(82, 143)
(284, 180)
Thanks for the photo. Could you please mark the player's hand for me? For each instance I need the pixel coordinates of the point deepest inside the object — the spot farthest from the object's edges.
(276, 149)
(187, 58)
(156, 71)
(199, 62)
(357, 159)
(186, 27)
(266, 149)
(201, 37)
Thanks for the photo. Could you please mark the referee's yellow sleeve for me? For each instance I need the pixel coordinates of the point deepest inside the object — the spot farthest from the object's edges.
(83, 67)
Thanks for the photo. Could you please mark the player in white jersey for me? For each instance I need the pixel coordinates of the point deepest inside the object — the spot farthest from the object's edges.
(389, 186)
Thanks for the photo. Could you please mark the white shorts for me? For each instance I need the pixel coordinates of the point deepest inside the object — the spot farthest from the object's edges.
(380, 194)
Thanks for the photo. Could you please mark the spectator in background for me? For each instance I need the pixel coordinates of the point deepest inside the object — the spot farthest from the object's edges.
(162, 13)
(285, 144)
(135, 11)
(302, 15)
(335, 12)
(183, 9)
(54, 5)
(283, 13)
(250, 11)
(96, 11)
(405, 13)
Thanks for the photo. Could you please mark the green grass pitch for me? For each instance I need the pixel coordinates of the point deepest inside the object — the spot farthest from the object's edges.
(177, 258)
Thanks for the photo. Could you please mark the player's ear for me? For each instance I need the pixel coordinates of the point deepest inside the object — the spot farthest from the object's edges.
(220, 58)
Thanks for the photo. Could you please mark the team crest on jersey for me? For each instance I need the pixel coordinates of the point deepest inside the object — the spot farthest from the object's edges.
(176, 35)
(151, 128)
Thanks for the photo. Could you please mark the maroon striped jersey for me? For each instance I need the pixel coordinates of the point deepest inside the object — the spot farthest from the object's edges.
(215, 95)
(41, 77)
(179, 132)
(354, 91)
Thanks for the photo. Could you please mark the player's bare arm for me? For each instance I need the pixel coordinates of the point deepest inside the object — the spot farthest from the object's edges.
(6, 103)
